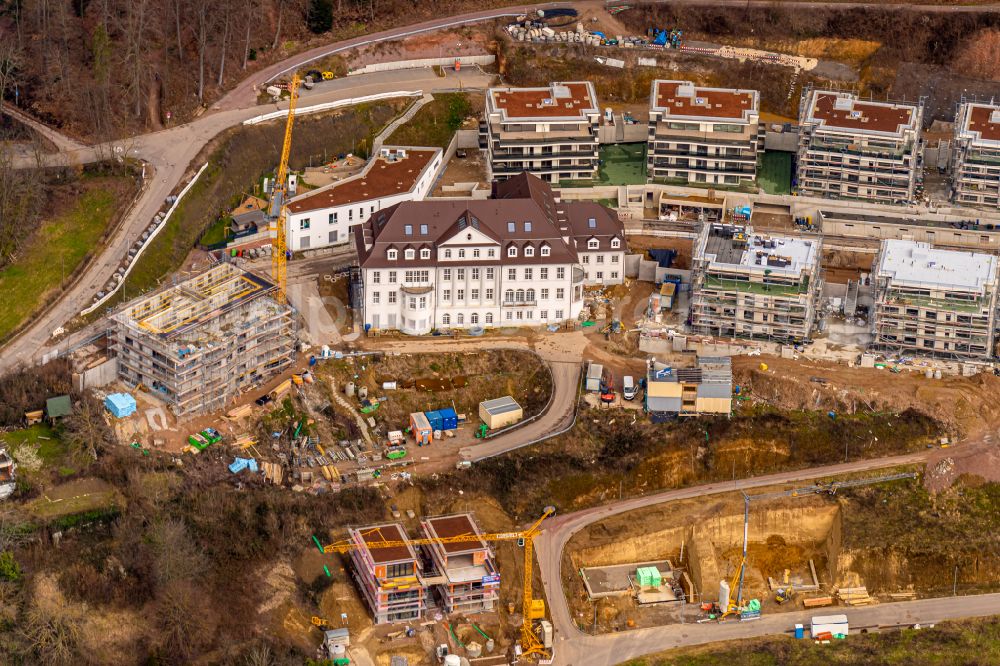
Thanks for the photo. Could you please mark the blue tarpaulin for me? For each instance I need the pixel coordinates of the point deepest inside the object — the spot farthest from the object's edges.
(240, 464)
(120, 404)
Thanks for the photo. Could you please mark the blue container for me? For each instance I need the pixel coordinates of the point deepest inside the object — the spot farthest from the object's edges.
(434, 418)
(800, 631)
(449, 419)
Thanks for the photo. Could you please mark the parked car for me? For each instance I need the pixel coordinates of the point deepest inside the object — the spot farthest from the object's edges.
(629, 388)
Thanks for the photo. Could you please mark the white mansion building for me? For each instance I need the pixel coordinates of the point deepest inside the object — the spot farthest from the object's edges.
(521, 257)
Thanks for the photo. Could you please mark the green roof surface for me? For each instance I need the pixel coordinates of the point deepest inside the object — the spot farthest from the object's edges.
(58, 406)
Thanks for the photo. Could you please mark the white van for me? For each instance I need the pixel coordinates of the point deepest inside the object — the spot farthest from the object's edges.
(629, 389)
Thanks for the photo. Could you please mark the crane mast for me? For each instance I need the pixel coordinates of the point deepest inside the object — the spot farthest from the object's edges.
(279, 196)
(530, 645)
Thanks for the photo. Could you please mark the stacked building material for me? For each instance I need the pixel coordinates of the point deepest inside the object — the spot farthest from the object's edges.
(855, 596)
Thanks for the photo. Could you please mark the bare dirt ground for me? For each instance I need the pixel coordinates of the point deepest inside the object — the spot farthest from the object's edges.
(682, 245)
(468, 169)
(839, 266)
(967, 405)
(773, 222)
(447, 43)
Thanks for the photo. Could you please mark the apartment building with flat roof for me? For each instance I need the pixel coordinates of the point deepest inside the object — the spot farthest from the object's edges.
(205, 340)
(550, 132)
(746, 284)
(703, 136)
(390, 578)
(975, 156)
(933, 301)
(324, 216)
(855, 149)
(464, 573)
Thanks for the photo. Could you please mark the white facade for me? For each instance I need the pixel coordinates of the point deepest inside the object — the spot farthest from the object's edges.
(324, 216)
(507, 271)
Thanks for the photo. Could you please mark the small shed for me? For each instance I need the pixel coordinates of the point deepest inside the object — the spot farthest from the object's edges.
(120, 405)
(58, 407)
(33, 417)
(421, 428)
(500, 412)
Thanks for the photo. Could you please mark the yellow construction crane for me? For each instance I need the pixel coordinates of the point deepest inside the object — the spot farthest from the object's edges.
(530, 645)
(279, 195)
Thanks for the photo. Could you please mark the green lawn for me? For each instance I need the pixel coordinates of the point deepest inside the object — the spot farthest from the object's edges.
(435, 123)
(622, 164)
(50, 448)
(774, 173)
(216, 233)
(56, 249)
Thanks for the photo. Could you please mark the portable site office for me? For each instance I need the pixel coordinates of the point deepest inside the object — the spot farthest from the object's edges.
(421, 428)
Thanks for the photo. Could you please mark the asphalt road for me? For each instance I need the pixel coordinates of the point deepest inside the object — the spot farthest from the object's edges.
(575, 648)
(168, 155)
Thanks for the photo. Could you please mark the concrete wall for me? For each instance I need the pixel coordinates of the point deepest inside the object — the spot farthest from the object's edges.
(466, 60)
(99, 375)
(787, 141)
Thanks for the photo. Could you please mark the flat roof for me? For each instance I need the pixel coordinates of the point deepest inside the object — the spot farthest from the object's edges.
(396, 170)
(683, 99)
(453, 526)
(372, 536)
(572, 100)
(912, 263)
(844, 111)
(981, 122)
(500, 405)
(777, 254)
(194, 302)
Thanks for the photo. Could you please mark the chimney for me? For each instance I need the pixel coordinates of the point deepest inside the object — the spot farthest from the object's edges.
(493, 189)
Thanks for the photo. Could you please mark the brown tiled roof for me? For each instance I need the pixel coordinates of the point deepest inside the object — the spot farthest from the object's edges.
(453, 526)
(544, 102)
(705, 103)
(381, 178)
(390, 532)
(979, 121)
(868, 116)
(525, 198)
(605, 226)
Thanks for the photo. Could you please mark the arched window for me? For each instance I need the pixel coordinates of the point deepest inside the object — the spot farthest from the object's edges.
(520, 296)
(489, 317)
(531, 295)
(446, 319)
(460, 319)
(447, 254)
(474, 318)
(509, 296)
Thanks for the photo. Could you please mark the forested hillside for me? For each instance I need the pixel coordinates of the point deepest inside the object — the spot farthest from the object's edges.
(106, 68)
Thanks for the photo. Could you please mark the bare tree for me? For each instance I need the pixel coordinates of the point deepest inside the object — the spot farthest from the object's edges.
(85, 430)
(250, 7)
(178, 6)
(11, 61)
(277, 31)
(225, 39)
(134, 31)
(202, 18)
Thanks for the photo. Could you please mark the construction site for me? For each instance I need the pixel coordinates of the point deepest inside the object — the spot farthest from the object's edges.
(199, 343)
(734, 558)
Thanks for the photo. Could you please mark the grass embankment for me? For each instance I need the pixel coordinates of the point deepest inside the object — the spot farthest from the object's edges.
(966, 642)
(437, 121)
(237, 162)
(81, 213)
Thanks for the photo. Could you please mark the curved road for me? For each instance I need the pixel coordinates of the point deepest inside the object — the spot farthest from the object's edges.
(575, 648)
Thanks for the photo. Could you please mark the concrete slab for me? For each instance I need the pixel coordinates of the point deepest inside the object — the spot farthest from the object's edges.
(617, 579)
(320, 328)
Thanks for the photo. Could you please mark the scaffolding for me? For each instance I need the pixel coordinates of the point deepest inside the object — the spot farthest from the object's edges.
(199, 343)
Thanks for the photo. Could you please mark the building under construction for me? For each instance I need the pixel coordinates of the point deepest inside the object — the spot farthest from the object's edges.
(752, 285)
(199, 343)
(934, 301)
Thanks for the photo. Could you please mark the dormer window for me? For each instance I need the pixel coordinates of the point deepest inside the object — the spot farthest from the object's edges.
(425, 253)
(593, 244)
(546, 251)
(615, 243)
(512, 251)
(410, 253)
(391, 255)
(529, 251)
